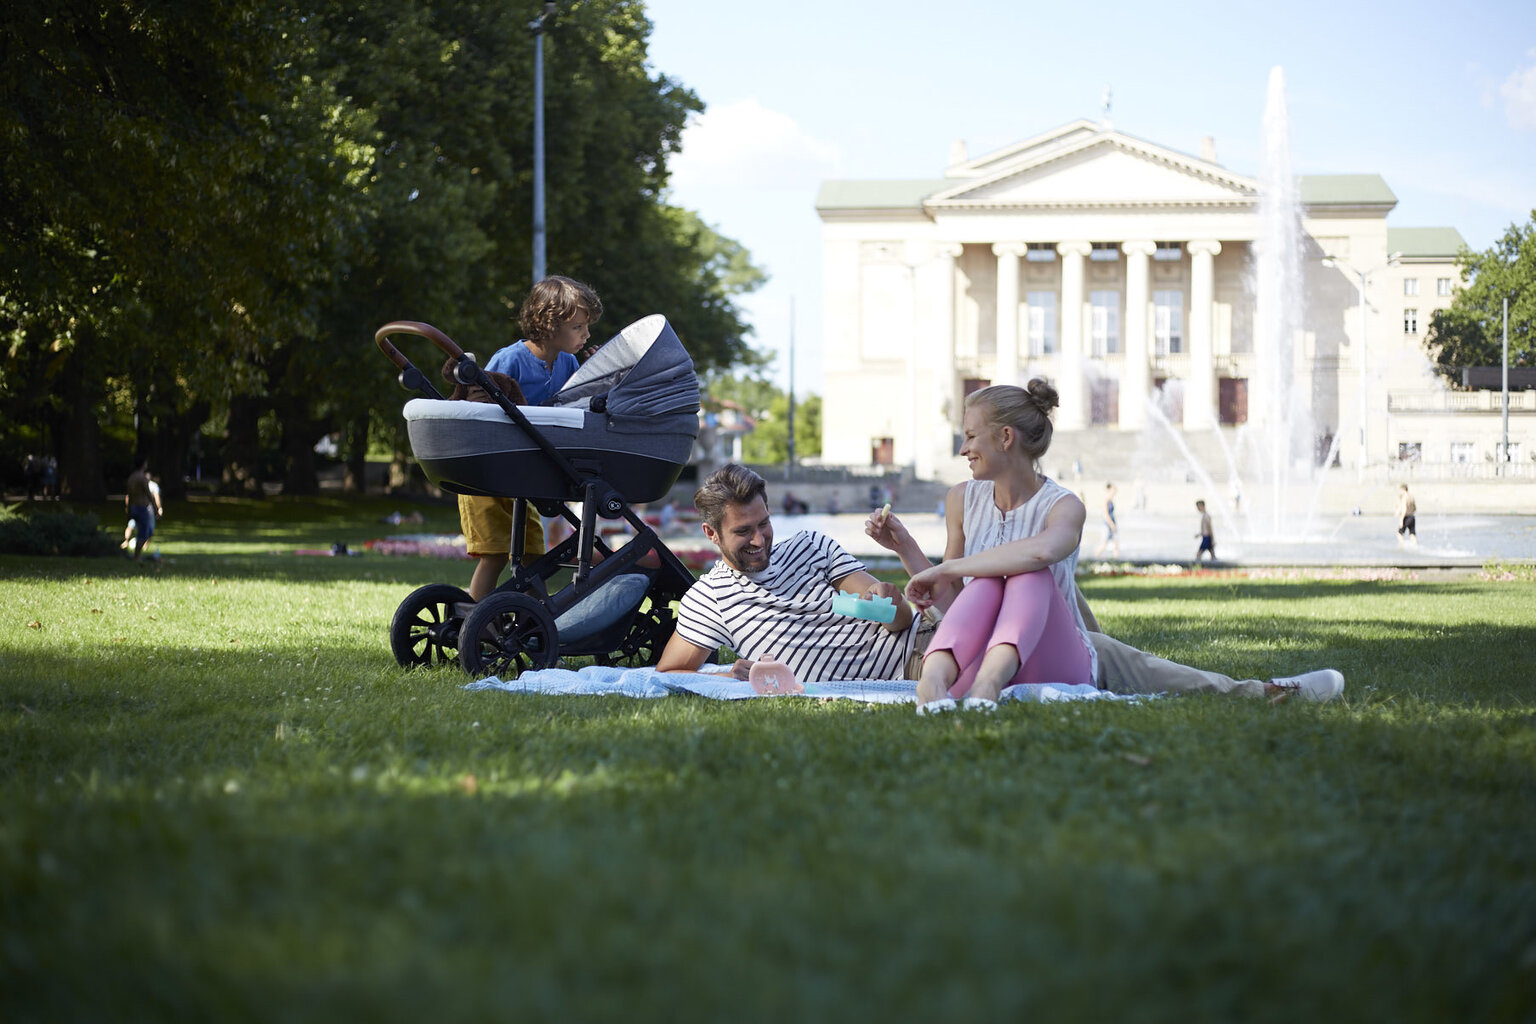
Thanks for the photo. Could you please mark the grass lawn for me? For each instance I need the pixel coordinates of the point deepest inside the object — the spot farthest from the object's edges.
(221, 800)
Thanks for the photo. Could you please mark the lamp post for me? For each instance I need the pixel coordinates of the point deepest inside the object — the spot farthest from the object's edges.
(538, 26)
(1363, 278)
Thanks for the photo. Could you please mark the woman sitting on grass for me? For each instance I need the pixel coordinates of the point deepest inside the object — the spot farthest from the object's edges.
(1005, 585)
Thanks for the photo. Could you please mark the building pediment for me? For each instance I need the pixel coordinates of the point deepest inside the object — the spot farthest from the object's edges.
(1079, 167)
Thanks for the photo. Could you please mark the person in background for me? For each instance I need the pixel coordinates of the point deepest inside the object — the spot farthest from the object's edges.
(1111, 526)
(1206, 535)
(142, 503)
(1407, 516)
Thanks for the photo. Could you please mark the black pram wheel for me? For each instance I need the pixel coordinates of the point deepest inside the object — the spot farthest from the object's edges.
(425, 629)
(643, 644)
(507, 634)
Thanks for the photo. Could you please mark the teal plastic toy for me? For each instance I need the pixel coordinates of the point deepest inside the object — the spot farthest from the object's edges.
(875, 609)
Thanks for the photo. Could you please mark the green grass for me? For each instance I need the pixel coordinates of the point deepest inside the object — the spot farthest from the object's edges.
(221, 800)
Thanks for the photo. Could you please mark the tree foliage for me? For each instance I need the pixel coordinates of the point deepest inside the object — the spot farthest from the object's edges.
(1470, 332)
(768, 406)
(206, 211)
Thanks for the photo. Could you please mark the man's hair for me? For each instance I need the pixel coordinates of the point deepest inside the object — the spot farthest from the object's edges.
(552, 302)
(731, 484)
(1200, 505)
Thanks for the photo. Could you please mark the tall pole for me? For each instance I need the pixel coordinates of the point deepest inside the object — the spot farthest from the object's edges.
(537, 26)
(1504, 456)
(789, 468)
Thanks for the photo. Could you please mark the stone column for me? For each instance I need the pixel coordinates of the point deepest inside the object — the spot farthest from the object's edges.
(1137, 380)
(940, 417)
(1073, 414)
(1199, 392)
(1007, 254)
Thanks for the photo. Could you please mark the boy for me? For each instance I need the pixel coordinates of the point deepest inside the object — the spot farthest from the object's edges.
(555, 319)
(1207, 538)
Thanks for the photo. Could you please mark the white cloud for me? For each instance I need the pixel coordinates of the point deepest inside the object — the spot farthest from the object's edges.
(1519, 92)
(744, 144)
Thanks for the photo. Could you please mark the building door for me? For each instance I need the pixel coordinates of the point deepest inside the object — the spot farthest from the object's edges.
(1168, 395)
(882, 451)
(1232, 397)
(1104, 402)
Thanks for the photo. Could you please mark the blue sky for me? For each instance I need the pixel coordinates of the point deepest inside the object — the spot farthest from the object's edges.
(1438, 99)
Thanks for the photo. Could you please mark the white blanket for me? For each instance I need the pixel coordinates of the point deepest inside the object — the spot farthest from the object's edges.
(719, 685)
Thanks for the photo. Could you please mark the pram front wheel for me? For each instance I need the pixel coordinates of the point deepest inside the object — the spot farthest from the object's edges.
(506, 634)
(425, 629)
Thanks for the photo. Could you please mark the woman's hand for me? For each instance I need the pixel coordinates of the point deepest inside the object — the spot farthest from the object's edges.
(922, 587)
(886, 530)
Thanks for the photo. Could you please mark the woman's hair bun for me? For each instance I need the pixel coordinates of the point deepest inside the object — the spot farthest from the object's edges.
(1042, 395)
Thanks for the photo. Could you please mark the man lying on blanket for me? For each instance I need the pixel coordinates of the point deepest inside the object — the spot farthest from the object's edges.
(766, 602)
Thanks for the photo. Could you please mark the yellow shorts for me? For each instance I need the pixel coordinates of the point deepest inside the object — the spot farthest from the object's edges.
(487, 526)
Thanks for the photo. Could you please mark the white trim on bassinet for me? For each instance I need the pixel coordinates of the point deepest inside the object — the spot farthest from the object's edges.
(538, 415)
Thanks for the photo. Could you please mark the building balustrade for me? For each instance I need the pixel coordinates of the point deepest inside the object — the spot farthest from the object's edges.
(1459, 401)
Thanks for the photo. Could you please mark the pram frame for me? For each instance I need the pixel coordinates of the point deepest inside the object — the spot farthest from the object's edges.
(510, 633)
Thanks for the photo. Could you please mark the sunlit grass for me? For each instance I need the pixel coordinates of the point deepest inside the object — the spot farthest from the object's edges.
(221, 799)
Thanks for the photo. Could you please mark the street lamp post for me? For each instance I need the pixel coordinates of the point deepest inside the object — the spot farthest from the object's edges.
(538, 26)
(1363, 278)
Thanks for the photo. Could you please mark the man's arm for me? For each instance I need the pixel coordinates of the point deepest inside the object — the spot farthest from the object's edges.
(682, 656)
(862, 584)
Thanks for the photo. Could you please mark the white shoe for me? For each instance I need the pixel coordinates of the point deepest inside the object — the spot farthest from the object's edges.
(1324, 684)
(979, 704)
(938, 707)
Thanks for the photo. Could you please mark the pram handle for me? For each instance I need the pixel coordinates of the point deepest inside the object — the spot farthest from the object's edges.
(421, 330)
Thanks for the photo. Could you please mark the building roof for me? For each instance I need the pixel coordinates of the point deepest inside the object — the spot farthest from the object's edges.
(880, 194)
(1425, 243)
(1344, 190)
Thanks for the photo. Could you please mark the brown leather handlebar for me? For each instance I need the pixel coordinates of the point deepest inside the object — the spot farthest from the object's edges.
(421, 330)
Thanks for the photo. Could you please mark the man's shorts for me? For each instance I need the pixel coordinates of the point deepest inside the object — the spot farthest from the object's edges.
(487, 526)
(925, 631)
(143, 521)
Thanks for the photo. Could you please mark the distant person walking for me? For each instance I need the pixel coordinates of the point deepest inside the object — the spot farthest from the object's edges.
(1407, 517)
(141, 502)
(1111, 526)
(1207, 535)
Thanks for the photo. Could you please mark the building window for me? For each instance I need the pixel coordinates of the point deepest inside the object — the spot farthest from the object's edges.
(1442, 286)
(1104, 252)
(1041, 311)
(1410, 321)
(1410, 286)
(1461, 452)
(1040, 252)
(1410, 451)
(1513, 454)
(1105, 330)
(1168, 252)
(1167, 323)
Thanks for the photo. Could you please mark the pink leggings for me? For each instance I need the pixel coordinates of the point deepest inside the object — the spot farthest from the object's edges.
(1026, 611)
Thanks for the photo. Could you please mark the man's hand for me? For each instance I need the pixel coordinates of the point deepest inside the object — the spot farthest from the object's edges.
(741, 668)
(889, 590)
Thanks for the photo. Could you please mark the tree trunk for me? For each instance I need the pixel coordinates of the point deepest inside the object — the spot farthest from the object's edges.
(77, 431)
(241, 475)
(356, 479)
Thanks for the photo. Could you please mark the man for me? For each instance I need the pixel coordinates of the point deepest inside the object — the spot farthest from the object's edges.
(1407, 516)
(766, 602)
(142, 504)
(786, 613)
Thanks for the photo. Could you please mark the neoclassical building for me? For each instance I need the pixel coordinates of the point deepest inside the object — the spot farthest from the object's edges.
(1123, 271)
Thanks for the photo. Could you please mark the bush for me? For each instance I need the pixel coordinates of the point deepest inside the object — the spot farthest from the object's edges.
(52, 533)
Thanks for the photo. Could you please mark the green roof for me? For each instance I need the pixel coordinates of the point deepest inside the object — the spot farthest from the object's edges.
(877, 194)
(1344, 190)
(1425, 243)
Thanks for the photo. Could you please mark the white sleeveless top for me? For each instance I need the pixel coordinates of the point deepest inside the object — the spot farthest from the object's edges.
(985, 527)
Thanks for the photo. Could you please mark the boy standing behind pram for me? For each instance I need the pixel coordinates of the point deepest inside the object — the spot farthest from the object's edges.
(555, 318)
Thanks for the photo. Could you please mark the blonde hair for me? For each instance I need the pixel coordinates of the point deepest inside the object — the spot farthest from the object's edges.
(1027, 410)
(552, 302)
(731, 484)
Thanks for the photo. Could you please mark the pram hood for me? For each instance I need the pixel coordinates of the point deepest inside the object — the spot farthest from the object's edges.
(647, 377)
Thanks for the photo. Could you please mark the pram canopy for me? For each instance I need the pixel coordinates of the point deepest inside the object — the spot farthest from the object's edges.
(629, 416)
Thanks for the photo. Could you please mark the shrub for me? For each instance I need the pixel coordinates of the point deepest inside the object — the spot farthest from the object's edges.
(52, 533)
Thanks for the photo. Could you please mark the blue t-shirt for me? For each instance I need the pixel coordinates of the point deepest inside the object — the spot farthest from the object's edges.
(539, 382)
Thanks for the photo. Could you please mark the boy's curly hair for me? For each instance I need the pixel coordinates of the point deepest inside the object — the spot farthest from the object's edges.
(552, 302)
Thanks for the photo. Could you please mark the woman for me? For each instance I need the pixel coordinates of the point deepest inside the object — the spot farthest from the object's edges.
(1005, 586)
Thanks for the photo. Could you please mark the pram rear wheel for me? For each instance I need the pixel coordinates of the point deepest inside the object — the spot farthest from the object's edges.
(507, 634)
(425, 629)
(644, 642)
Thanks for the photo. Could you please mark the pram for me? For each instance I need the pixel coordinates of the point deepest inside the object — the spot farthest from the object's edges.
(620, 431)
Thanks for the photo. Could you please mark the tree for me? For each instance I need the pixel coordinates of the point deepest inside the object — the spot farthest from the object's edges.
(769, 408)
(1470, 332)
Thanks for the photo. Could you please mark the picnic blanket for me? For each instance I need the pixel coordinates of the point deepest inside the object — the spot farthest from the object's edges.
(718, 684)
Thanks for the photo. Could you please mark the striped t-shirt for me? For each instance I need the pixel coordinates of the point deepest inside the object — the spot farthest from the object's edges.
(785, 612)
